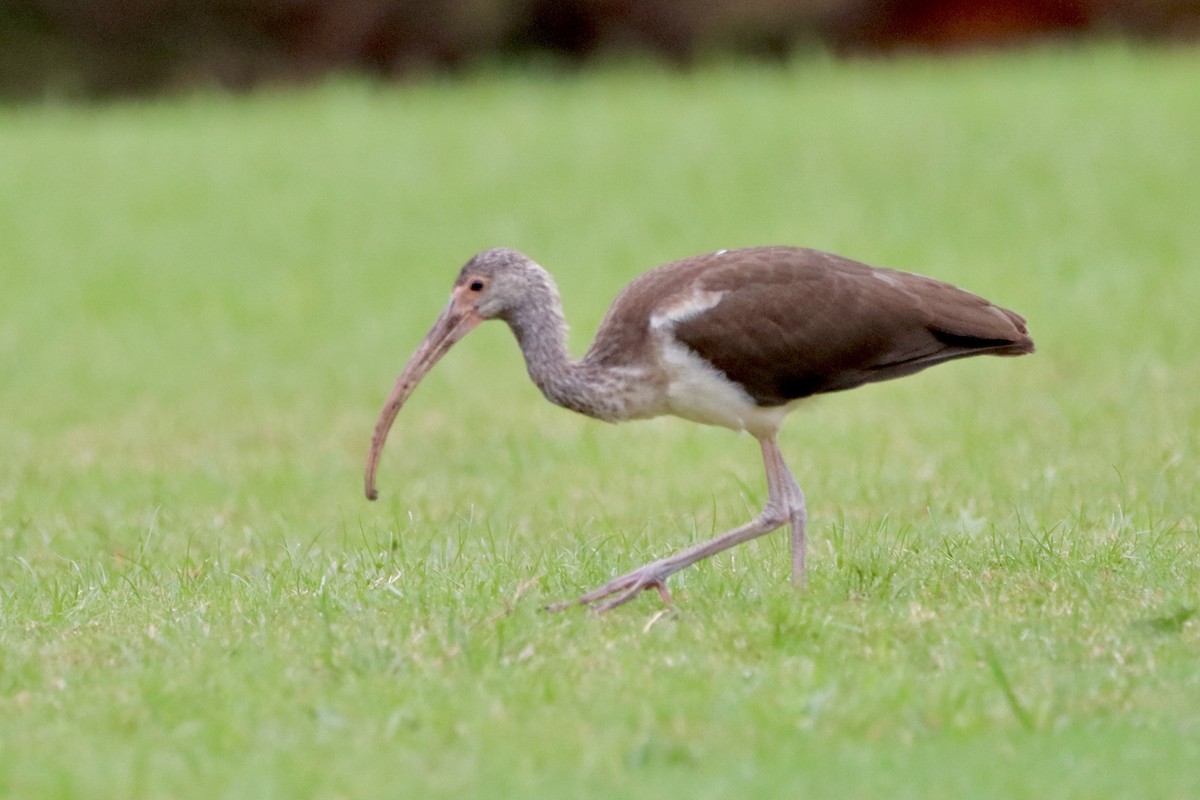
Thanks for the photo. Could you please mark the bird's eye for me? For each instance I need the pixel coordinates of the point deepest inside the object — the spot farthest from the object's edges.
(476, 285)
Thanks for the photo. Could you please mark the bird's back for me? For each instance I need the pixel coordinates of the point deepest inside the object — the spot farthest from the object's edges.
(785, 323)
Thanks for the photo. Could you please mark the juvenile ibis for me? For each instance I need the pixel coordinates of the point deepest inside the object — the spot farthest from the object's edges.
(734, 338)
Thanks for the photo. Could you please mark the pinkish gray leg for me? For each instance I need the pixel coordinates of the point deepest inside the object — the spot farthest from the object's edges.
(785, 504)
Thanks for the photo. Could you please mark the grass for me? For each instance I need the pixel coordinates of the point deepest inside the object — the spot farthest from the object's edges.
(204, 301)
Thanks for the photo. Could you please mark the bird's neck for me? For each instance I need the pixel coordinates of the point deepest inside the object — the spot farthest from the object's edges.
(541, 332)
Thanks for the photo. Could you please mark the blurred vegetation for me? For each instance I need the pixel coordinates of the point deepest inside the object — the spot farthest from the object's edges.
(204, 300)
(95, 48)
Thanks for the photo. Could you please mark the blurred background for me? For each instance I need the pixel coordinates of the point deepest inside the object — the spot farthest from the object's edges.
(98, 48)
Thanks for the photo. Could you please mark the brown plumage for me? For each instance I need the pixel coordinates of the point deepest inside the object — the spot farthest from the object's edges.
(795, 322)
(732, 338)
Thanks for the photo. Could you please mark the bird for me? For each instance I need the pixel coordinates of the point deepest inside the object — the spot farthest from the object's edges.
(734, 338)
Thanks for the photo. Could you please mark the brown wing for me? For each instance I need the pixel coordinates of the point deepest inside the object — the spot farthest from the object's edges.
(624, 334)
(796, 322)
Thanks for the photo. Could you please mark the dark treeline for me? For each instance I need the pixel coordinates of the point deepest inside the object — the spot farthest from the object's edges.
(105, 47)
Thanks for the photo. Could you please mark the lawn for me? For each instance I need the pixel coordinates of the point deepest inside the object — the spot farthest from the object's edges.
(204, 301)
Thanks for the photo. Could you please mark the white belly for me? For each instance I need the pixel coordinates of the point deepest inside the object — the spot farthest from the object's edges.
(698, 391)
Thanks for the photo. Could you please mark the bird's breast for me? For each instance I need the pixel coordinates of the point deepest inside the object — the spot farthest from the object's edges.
(698, 391)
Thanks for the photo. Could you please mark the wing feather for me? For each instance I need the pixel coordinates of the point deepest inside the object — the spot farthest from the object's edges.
(794, 323)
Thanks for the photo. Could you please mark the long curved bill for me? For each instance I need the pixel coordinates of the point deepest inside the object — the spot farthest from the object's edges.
(456, 321)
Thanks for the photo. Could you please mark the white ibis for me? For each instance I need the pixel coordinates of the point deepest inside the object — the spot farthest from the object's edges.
(733, 338)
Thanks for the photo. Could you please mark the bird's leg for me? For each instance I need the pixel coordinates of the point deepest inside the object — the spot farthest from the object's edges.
(785, 504)
(791, 498)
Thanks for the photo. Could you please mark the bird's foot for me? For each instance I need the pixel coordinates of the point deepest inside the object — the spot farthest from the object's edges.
(626, 587)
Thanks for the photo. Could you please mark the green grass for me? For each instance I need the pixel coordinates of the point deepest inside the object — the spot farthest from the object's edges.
(203, 302)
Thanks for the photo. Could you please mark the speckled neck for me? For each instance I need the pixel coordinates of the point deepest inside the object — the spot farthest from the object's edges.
(541, 332)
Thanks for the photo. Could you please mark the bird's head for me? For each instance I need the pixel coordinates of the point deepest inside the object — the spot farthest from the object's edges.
(495, 284)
